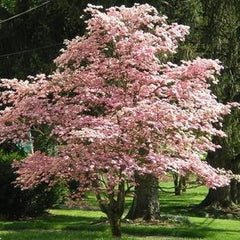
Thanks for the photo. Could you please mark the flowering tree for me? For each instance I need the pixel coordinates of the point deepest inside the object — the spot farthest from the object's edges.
(115, 108)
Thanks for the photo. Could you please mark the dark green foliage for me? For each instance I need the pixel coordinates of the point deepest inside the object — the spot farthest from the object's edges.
(36, 37)
(221, 39)
(15, 203)
(43, 140)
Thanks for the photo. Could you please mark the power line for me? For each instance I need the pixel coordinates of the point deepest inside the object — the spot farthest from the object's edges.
(30, 50)
(27, 11)
(27, 50)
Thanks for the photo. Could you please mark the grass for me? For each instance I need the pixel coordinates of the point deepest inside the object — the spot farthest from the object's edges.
(182, 205)
(72, 224)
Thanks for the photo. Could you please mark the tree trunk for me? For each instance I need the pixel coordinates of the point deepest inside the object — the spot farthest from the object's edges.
(114, 208)
(115, 224)
(179, 184)
(146, 200)
(184, 183)
(223, 197)
(228, 196)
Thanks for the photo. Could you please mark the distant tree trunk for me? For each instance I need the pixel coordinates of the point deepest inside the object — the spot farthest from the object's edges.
(184, 183)
(146, 200)
(179, 183)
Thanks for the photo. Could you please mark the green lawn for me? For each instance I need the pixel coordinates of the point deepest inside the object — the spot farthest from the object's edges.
(65, 224)
(182, 205)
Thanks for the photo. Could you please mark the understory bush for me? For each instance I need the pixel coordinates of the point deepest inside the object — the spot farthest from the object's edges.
(16, 203)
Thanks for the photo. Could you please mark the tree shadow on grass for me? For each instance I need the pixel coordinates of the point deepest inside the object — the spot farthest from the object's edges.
(189, 211)
(199, 230)
(52, 222)
(55, 235)
(172, 231)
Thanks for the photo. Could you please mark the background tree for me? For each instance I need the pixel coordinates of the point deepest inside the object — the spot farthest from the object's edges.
(39, 33)
(221, 39)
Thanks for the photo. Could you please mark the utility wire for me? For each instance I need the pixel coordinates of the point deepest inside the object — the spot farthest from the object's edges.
(29, 50)
(27, 11)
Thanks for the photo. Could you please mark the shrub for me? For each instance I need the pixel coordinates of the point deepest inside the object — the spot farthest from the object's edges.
(15, 203)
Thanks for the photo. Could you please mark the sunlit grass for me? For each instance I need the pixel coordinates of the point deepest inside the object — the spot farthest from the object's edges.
(75, 224)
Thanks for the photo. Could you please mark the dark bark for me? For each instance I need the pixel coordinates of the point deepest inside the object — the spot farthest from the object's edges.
(184, 183)
(228, 196)
(223, 197)
(146, 200)
(179, 184)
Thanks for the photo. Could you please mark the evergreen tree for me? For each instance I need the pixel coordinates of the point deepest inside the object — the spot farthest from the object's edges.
(221, 39)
